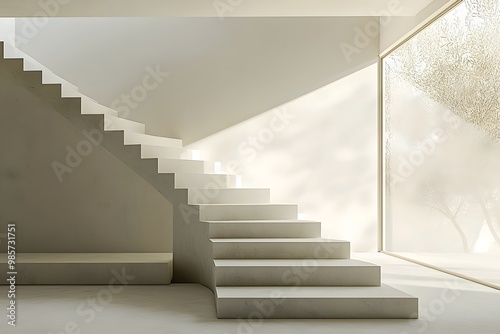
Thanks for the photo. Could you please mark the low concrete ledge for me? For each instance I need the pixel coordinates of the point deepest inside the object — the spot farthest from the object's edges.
(89, 268)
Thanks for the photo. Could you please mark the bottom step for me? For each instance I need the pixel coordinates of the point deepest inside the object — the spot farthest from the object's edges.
(89, 268)
(382, 302)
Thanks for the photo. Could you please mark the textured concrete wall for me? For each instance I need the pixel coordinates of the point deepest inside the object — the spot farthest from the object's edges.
(100, 206)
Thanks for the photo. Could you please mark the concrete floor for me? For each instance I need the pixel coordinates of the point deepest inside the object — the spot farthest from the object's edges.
(447, 305)
(482, 266)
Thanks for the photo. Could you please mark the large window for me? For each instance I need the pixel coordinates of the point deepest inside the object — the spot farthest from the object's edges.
(441, 143)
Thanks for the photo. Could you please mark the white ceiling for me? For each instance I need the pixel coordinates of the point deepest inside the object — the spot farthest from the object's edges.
(207, 8)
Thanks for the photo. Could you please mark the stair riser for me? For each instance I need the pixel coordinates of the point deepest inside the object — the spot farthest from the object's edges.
(281, 250)
(316, 308)
(248, 212)
(228, 196)
(306, 275)
(204, 181)
(264, 230)
(185, 166)
(165, 152)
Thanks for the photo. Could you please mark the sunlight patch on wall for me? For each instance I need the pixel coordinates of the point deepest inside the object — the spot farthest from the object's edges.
(318, 151)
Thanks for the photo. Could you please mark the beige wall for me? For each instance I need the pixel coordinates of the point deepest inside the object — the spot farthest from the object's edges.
(101, 206)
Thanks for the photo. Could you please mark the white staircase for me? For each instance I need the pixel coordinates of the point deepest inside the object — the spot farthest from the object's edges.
(257, 257)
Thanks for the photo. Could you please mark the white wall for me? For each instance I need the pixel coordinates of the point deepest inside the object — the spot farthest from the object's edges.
(321, 153)
(220, 72)
(398, 28)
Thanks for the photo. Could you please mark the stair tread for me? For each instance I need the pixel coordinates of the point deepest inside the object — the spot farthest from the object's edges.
(90, 258)
(231, 189)
(275, 240)
(205, 174)
(152, 136)
(166, 147)
(250, 204)
(270, 221)
(322, 292)
(136, 137)
(291, 262)
(182, 160)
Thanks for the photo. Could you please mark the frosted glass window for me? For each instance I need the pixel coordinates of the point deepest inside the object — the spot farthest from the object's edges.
(441, 118)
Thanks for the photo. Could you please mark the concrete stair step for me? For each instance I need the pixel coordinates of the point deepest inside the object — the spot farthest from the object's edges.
(280, 248)
(89, 268)
(90, 106)
(48, 77)
(219, 181)
(264, 229)
(117, 123)
(68, 91)
(228, 196)
(151, 151)
(132, 138)
(184, 166)
(296, 272)
(382, 302)
(209, 212)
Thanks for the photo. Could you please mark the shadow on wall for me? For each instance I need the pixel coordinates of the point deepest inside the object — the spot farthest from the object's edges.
(319, 151)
